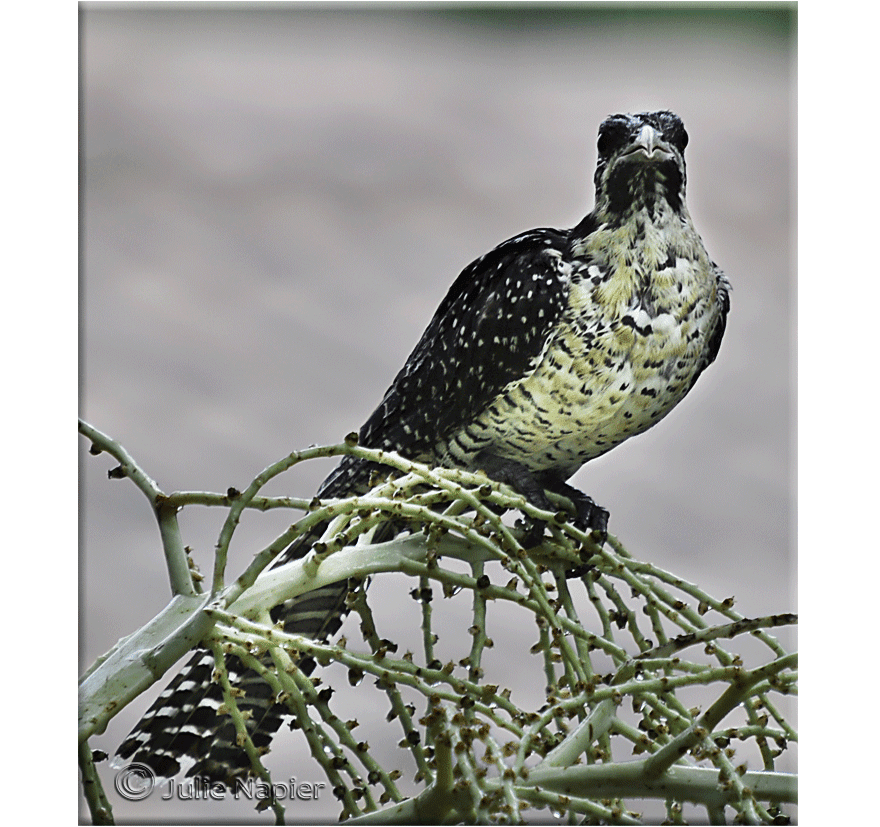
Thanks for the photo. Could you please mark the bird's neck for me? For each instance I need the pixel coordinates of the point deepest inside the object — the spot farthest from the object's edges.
(650, 230)
(644, 253)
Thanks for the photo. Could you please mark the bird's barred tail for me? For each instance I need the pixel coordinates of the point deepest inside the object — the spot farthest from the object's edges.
(183, 732)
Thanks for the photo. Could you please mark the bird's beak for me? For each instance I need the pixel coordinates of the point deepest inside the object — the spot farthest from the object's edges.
(648, 146)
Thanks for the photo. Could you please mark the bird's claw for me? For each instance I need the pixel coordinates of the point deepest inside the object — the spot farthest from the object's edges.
(590, 517)
(534, 534)
(578, 571)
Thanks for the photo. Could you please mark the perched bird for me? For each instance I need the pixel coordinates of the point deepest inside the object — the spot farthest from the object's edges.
(546, 352)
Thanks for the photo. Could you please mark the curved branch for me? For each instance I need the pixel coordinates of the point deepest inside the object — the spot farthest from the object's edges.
(176, 562)
(127, 466)
(733, 696)
(632, 780)
(135, 663)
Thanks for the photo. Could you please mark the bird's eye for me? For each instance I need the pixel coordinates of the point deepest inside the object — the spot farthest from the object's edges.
(679, 137)
(674, 129)
(611, 134)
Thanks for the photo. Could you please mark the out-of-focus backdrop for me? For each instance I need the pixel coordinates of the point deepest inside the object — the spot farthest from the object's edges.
(275, 200)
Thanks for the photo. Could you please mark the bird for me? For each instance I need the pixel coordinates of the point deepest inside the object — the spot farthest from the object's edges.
(547, 352)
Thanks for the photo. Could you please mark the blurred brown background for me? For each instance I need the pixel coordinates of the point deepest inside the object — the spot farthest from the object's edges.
(275, 200)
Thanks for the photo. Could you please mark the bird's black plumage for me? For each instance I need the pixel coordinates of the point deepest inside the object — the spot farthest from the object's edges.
(485, 334)
(546, 352)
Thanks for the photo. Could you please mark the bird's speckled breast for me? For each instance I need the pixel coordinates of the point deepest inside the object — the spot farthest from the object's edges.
(626, 352)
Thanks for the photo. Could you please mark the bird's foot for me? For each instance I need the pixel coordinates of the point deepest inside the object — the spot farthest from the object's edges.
(524, 480)
(534, 533)
(588, 516)
(534, 486)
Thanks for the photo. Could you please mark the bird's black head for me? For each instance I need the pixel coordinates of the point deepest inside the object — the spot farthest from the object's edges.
(641, 163)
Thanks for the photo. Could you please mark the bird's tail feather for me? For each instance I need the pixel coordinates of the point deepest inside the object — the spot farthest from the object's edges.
(182, 730)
